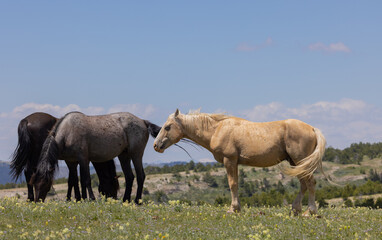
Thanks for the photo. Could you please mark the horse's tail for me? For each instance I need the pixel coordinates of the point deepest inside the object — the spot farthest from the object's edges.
(152, 128)
(48, 161)
(23, 151)
(308, 165)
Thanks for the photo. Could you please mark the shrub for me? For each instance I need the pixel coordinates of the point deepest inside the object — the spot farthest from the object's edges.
(378, 203)
(322, 203)
(210, 180)
(160, 196)
(220, 201)
(348, 203)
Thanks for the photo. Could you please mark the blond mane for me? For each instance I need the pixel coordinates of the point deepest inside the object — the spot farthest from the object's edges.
(203, 121)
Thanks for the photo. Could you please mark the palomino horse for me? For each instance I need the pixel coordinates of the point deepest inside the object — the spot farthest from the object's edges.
(32, 132)
(235, 141)
(79, 138)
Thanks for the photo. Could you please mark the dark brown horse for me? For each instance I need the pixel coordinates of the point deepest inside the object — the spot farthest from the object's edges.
(32, 132)
(78, 138)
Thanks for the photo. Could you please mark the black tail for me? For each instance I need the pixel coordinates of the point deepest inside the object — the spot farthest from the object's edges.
(153, 129)
(23, 151)
(48, 161)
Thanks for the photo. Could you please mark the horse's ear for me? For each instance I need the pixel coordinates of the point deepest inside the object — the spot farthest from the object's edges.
(176, 113)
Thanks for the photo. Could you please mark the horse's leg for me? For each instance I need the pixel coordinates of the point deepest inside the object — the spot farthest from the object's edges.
(231, 167)
(28, 175)
(297, 203)
(84, 194)
(101, 168)
(85, 178)
(138, 166)
(77, 193)
(70, 182)
(312, 209)
(73, 181)
(125, 160)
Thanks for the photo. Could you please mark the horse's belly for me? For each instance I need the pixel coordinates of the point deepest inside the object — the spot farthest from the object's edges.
(102, 153)
(106, 147)
(257, 162)
(266, 160)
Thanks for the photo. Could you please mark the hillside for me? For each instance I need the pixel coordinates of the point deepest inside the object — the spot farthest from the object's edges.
(4, 172)
(198, 185)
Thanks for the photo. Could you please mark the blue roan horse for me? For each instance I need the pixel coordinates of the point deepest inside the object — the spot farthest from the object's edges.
(80, 138)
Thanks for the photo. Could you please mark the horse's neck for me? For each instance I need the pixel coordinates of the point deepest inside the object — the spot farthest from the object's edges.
(198, 131)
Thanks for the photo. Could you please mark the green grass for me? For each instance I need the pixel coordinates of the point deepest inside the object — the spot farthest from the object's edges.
(347, 171)
(114, 220)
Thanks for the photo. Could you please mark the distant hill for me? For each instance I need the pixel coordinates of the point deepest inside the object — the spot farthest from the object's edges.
(4, 173)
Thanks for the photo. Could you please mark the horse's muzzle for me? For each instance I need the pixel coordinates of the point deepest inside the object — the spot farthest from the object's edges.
(159, 148)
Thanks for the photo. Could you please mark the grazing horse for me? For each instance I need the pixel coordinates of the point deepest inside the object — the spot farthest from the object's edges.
(78, 138)
(32, 132)
(235, 141)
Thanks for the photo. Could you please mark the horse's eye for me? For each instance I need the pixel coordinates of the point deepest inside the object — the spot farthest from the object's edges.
(167, 128)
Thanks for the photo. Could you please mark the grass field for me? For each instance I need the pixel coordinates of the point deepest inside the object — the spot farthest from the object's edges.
(113, 219)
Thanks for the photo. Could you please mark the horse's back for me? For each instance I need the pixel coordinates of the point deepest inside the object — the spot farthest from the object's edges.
(104, 136)
(39, 124)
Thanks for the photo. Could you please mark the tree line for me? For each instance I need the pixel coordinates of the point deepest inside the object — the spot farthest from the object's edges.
(354, 153)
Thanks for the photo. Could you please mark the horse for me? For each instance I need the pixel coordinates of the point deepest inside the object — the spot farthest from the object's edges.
(234, 141)
(32, 132)
(77, 137)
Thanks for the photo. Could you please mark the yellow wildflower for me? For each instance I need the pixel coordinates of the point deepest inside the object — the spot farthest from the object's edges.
(65, 230)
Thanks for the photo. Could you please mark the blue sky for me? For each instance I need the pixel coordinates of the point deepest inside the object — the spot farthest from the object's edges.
(316, 61)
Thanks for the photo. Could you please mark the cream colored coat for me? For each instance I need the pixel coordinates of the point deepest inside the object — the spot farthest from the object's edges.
(235, 141)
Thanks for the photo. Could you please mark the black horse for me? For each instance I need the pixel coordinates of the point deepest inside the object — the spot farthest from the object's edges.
(32, 132)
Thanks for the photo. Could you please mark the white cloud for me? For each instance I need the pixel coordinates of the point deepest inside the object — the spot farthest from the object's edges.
(332, 47)
(206, 160)
(343, 122)
(142, 111)
(246, 47)
(262, 113)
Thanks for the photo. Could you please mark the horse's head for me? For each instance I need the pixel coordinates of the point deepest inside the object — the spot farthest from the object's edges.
(171, 133)
(41, 185)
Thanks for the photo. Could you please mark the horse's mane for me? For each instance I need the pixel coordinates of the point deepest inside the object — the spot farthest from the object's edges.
(204, 120)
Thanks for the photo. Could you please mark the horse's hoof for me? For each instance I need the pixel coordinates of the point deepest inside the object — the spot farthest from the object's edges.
(231, 211)
(294, 213)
